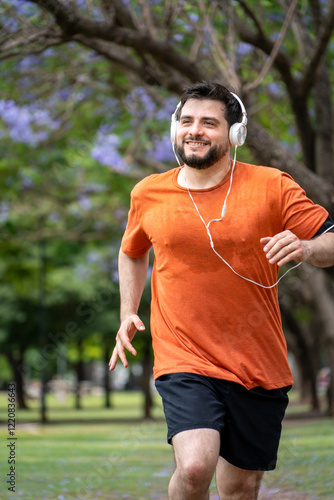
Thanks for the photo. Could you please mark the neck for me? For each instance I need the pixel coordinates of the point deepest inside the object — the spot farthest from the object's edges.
(204, 179)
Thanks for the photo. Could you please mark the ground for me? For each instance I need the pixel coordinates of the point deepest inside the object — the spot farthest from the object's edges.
(274, 494)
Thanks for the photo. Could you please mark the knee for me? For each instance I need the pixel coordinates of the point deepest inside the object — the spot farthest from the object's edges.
(196, 475)
(242, 489)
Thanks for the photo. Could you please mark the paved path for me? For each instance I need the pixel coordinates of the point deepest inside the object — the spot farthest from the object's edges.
(275, 494)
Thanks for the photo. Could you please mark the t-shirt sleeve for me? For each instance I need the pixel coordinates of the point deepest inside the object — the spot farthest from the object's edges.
(300, 215)
(135, 242)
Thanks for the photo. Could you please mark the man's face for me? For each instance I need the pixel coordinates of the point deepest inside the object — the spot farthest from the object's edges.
(202, 136)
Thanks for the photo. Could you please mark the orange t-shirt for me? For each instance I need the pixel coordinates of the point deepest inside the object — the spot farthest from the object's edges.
(204, 318)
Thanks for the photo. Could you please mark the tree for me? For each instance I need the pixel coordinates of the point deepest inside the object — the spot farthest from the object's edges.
(276, 56)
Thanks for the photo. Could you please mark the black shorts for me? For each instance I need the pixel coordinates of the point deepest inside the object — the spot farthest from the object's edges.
(249, 421)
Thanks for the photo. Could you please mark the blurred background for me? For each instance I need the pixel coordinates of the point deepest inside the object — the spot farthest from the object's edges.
(87, 89)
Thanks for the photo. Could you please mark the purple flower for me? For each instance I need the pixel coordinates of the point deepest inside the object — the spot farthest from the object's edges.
(64, 94)
(162, 150)
(140, 102)
(167, 110)
(27, 182)
(275, 89)
(85, 202)
(244, 48)
(193, 17)
(28, 124)
(4, 211)
(22, 7)
(105, 151)
(28, 62)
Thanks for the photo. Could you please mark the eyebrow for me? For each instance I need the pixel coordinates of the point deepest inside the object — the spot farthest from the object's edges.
(211, 118)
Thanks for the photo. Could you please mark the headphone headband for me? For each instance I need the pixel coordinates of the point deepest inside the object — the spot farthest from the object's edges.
(174, 123)
(243, 109)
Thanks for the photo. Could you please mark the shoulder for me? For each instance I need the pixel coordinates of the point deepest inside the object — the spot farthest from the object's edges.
(154, 183)
(261, 172)
(261, 176)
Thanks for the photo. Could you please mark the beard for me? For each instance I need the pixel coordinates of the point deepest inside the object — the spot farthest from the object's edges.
(214, 154)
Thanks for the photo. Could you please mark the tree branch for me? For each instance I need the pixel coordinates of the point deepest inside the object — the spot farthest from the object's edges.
(35, 44)
(124, 16)
(122, 58)
(140, 41)
(316, 59)
(219, 54)
(277, 45)
(252, 16)
(260, 41)
(300, 31)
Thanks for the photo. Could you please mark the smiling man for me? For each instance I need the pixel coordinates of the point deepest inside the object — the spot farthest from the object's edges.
(220, 230)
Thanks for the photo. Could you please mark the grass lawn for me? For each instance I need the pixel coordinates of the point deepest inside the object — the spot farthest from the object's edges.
(306, 459)
(97, 453)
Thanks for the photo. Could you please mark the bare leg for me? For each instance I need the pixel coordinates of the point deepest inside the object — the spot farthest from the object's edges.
(237, 484)
(196, 453)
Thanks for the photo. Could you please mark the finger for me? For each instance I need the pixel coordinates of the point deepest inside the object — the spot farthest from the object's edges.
(126, 344)
(123, 342)
(287, 234)
(286, 254)
(265, 240)
(286, 260)
(113, 359)
(278, 243)
(275, 243)
(121, 345)
(137, 322)
(140, 325)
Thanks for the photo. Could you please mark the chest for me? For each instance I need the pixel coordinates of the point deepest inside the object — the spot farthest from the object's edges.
(177, 224)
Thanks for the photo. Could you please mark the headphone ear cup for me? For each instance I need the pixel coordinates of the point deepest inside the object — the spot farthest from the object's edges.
(173, 129)
(174, 124)
(237, 134)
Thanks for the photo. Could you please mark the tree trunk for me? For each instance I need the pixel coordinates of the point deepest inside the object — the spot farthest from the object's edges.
(330, 391)
(107, 390)
(304, 356)
(322, 301)
(272, 154)
(80, 375)
(16, 363)
(146, 378)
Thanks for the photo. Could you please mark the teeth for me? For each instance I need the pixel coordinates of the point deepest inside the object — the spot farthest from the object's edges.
(196, 143)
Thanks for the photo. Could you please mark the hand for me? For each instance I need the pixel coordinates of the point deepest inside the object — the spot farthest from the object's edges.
(124, 338)
(284, 247)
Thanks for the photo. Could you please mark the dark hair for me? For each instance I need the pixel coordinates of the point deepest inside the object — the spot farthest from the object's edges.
(215, 92)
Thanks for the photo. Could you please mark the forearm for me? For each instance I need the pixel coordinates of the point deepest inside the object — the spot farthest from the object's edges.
(320, 250)
(132, 277)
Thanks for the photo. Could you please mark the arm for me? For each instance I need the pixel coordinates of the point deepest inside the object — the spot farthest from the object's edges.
(286, 246)
(132, 277)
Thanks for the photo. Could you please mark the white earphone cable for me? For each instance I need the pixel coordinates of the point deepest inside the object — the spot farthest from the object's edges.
(207, 227)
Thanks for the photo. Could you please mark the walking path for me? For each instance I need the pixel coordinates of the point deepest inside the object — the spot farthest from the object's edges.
(275, 494)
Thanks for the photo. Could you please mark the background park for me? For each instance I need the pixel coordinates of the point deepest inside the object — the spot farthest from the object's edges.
(87, 89)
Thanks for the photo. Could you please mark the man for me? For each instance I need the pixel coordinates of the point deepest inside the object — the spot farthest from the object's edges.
(220, 231)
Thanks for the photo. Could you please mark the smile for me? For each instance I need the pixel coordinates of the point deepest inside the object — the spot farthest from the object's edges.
(196, 143)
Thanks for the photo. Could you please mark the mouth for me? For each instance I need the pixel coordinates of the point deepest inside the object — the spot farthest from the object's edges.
(196, 144)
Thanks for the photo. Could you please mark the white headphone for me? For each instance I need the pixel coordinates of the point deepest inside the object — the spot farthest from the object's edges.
(237, 133)
(174, 124)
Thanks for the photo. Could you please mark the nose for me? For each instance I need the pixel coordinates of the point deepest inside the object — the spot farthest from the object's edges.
(195, 128)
